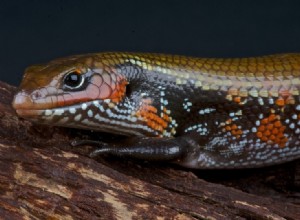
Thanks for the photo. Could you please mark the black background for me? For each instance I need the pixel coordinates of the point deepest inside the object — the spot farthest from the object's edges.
(37, 31)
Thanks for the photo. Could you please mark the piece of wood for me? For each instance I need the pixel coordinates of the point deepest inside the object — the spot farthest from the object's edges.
(42, 177)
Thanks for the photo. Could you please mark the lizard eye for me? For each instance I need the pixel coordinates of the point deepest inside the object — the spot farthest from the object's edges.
(73, 80)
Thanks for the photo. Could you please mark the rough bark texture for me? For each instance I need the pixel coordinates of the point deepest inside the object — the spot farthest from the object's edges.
(42, 177)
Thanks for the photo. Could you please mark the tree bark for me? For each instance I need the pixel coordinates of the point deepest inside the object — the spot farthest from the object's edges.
(42, 177)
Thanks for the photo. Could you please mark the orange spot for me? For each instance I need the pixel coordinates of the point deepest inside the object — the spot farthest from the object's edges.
(270, 126)
(280, 102)
(166, 117)
(151, 108)
(259, 134)
(237, 99)
(235, 131)
(267, 133)
(261, 128)
(265, 121)
(263, 138)
(151, 118)
(272, 117)
(119, 91)
(279, 135)
(281, 129)
(272, 130)
(275, 131)
(272, 137)
(239, 131)
(228, 121)
(277, 124)
(234, 127)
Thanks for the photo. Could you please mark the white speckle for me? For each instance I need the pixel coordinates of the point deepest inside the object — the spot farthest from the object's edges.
(235, 118)
(77, 117)
(48, 112)
(239, 112)
(271, 101)
(260, 101)
(111, 105)
(90, 113)
(294, 116)
(298, 107)
(209, 110)
(292, 126)
(59, 112)
(206, 111)
(96, 102)
(133, 119)
(257, 123)
(297, 131)
(260, 116)
(287, 121)
(231, 114)
(72, 110)
(83, 106)
(254, 129)
(189, 104)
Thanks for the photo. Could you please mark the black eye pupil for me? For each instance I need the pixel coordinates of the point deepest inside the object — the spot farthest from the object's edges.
(73, 80)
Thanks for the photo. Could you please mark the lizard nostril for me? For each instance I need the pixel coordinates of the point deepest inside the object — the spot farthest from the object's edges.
(36, 95)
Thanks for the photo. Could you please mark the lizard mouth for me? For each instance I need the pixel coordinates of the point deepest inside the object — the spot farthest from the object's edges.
(99, 115)
(29, 113)
(24, 106)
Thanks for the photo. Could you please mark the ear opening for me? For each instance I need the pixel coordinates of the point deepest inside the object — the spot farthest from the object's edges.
(128, 91)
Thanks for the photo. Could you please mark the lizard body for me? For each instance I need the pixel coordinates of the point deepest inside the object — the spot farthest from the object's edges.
(197, 112)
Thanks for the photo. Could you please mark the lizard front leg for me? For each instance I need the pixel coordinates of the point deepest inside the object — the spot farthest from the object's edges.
(144, 148)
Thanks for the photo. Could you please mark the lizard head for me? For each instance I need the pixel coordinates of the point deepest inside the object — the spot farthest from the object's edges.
(88, 92)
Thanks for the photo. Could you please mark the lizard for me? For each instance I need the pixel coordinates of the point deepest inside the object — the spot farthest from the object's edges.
(203, 113)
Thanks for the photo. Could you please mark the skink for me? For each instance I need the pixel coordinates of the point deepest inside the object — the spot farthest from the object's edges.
(198, 112)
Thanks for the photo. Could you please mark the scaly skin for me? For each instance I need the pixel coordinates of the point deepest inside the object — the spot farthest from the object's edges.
(200, 113)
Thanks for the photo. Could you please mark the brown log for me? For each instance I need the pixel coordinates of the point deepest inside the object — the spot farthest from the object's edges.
(42, 177)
